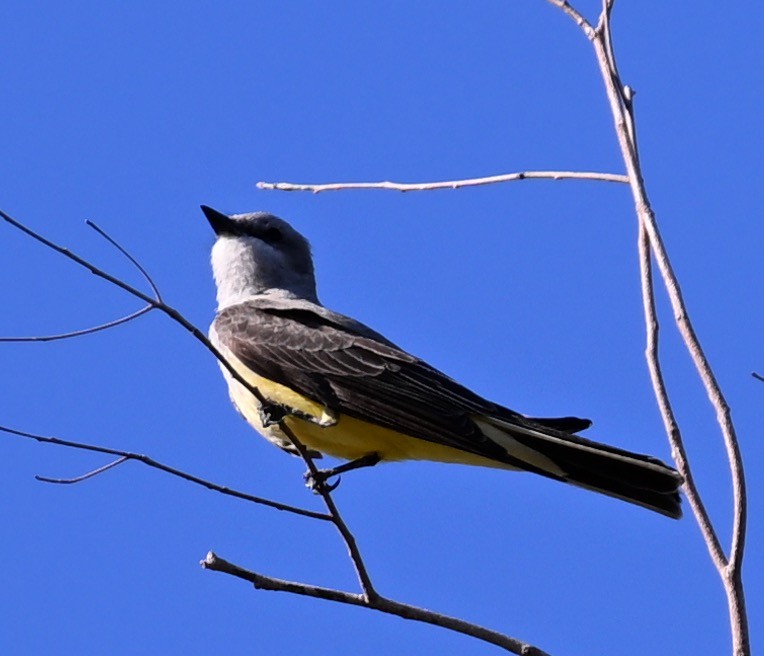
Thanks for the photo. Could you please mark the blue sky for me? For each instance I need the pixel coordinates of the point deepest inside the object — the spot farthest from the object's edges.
(133, 114)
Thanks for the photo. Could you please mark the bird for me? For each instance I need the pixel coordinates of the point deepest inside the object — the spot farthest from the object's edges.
(346, 391)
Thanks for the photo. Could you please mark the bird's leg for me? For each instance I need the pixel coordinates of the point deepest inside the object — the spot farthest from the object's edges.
(369, 460)
(317, 482)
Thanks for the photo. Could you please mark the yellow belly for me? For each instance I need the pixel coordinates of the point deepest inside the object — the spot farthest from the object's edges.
(352, 438)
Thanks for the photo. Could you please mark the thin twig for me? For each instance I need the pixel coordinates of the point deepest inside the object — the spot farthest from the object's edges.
(165, 468)
(80, 333)
(82, 262)
(577, 17)
(678, 452)
(174, 314)
(124, 252)
(757, 376)
(354, 553)
(103, 326)
(379, 603)
(449, 184)
(83, 477)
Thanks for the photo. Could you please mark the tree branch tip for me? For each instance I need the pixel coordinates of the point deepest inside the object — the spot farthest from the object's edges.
(210, 561)
(55, 481)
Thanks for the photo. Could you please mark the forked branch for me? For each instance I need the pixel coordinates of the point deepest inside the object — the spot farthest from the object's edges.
(124, 456)
(379, 603)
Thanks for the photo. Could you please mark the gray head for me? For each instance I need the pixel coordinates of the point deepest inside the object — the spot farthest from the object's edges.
(259, 253)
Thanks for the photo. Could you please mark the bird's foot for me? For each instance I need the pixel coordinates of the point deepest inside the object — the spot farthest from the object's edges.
(317, 483)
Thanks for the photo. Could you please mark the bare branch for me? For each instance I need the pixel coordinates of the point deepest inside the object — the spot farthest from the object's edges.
(757, 376)
(620, 98)
(103, 326)
(379, 603)
(678, 452)
(80, 333)
(82, 262)
(584, 24)
(686, 329)
(84, 477)
(348, 538)
(124, 252)
(165, 468)
(450, 184)
(171, 312)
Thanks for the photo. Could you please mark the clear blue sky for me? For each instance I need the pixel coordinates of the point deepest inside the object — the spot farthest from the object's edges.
(132, 114)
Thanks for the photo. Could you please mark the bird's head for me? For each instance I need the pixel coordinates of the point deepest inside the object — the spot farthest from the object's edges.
(259, 253)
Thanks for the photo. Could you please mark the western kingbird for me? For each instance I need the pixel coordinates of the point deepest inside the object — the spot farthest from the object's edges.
(348, 392)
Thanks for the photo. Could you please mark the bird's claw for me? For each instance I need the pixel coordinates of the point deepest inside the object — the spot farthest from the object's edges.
(318, 482)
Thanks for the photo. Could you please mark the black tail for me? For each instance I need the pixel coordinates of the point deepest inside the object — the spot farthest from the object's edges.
(544, 449)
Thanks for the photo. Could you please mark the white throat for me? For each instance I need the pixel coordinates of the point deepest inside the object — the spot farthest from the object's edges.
(245, 267)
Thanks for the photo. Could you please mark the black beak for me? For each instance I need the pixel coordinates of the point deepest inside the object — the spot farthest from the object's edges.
(221, 223)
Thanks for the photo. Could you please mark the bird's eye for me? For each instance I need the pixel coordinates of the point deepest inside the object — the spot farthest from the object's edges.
(272, 235)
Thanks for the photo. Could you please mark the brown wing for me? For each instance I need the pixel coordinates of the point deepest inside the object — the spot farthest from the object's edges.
(350, 372)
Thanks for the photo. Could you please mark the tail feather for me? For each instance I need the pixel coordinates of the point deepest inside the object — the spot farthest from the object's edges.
(633, 477)
(564, 424)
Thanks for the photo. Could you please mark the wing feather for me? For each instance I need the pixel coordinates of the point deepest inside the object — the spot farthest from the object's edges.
(332, 362)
